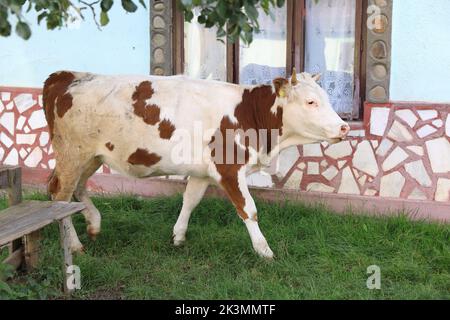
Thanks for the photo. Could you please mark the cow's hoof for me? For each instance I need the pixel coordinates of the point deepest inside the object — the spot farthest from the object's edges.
(92, 232)
(77, 249)
(265, 253)
(178, 241)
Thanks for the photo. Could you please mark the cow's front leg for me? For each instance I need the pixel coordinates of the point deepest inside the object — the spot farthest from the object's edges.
(195, 190)
(235, 185)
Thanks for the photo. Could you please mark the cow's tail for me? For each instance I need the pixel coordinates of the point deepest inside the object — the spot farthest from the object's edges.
(47, 105)
(53, 185)
(55, 87)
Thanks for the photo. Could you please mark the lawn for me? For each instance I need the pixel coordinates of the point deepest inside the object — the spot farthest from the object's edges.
(319, 255)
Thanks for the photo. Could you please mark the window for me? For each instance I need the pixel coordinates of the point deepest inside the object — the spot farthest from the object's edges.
(256, 68)
(204, 56)
(324, 36)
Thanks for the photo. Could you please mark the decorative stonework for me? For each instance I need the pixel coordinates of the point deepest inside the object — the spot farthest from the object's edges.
(161, 37)
(393, 160)
(24, 137)
(379, 51)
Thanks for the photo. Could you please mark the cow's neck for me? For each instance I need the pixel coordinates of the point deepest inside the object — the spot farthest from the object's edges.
(258, 111)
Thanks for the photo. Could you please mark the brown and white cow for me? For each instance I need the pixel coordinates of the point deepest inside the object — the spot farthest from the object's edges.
(134, 124)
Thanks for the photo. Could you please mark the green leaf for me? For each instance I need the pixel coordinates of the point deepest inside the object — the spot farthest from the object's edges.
(188, 16)
(18, 2)
(142, 2)
(201, 19)
(104, 19)
(251, 11)
(129, 5)
(23, 30)
(5, 28)
(221, 9)
(280, 3)
(41, 16)
(106, 5)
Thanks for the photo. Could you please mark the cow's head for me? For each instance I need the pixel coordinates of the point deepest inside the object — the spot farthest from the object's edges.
(307, 110)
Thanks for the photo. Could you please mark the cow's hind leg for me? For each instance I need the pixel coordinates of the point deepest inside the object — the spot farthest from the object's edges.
(62, 184)
(195, 190)
(91, 214)
(235, 185)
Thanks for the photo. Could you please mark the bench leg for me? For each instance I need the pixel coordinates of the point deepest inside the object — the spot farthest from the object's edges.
(15, 258)
(32, 250)
(64, 226)
(16, 254)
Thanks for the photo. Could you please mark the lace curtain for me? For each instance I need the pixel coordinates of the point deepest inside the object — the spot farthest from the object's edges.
(265, 58)
(329, 48)
(205, 56)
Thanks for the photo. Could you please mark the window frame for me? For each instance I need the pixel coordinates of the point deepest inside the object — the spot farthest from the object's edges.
(295, 49)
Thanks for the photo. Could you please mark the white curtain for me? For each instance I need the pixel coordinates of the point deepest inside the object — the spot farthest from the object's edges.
(205, 56)
(265, 59)
(330, 46)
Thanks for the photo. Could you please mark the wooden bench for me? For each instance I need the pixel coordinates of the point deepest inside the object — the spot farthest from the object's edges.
(20, 224)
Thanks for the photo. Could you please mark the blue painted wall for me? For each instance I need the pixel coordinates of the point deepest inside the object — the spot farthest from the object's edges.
(121, 47)
(421, 51)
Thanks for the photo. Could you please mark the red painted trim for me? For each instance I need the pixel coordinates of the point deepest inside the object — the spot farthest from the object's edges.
(19, 90)
(421, 105)
(152, 187)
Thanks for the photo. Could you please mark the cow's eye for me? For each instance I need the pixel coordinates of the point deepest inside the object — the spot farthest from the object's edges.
(311, 102)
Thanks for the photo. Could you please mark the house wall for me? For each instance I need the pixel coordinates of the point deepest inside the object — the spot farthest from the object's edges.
(400, 151)
(420, 69)
(118, 48)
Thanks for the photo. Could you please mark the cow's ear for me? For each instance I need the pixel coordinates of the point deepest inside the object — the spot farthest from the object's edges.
(281, 87)
(316, 77)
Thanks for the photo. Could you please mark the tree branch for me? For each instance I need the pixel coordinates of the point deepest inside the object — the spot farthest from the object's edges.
(91, 6)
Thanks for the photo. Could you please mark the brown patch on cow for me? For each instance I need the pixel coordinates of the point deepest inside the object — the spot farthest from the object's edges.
(149, 113)
(166, 129)
(230, 184)
(253, 113)
(143, 157)
(55, 95)
(229, 171)
(110, 146)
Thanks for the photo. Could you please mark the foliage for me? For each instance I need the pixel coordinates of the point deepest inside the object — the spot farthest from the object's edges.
(233, 19)
(55, 13)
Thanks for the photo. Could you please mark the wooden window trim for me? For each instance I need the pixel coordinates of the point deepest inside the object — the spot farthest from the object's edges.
(295, 51)
(233, 62)
(177, 39)
(360, 58)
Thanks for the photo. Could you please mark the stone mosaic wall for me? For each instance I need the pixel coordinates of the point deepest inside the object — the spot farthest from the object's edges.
(401, 151)
(24, 137)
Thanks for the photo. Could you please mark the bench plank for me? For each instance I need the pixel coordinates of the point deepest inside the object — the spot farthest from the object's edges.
(30, 216)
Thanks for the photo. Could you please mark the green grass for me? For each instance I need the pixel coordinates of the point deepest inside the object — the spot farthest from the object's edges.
(319, 255)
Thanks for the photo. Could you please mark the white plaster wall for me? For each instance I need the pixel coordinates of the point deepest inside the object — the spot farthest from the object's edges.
(421, 51)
